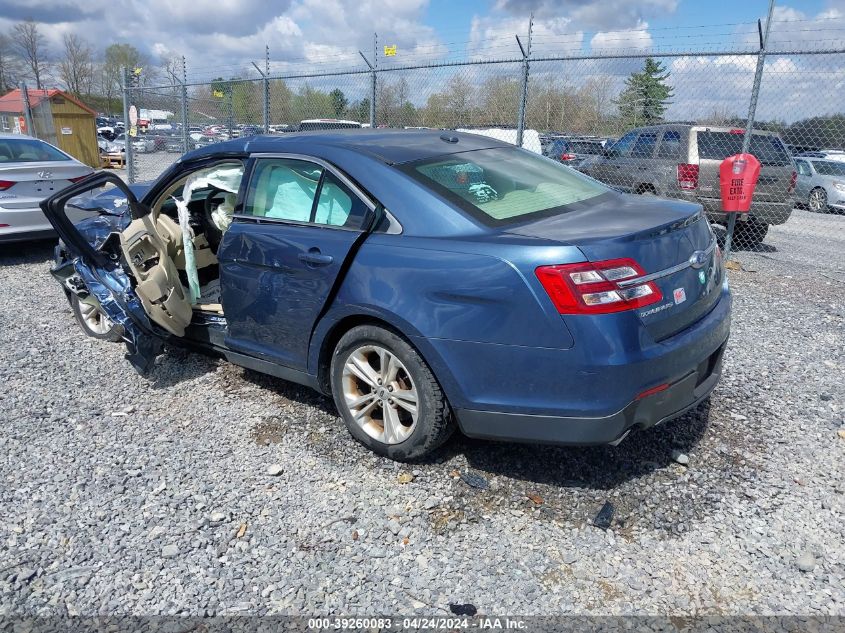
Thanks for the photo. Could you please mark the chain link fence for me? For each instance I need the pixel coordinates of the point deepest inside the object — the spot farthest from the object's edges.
(596, 113)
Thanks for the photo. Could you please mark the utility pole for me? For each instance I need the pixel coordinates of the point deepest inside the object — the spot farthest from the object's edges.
(185, 130)
(373, 69)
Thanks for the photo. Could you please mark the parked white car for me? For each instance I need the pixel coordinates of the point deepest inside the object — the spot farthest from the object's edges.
(31, 170)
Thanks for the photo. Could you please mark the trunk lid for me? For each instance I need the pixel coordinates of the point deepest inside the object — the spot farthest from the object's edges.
(34, 181)
(775, 163)
(665, 237)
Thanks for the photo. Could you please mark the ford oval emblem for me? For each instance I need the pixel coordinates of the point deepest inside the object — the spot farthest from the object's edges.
(698, 259)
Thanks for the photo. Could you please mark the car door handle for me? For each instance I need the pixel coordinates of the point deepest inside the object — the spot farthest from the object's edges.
(315, 258)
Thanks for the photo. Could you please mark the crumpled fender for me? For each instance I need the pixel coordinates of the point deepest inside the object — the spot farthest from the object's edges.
(118, 301)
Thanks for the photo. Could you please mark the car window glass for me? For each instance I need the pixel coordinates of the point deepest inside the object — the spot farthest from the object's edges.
(670, 145)
(283, 189)
(337, 205)
(768, 149)
(623, 146)
(644, 147)
(581, 147)
(13, 150)
(501, 186)
(829, 168)
(803, 167)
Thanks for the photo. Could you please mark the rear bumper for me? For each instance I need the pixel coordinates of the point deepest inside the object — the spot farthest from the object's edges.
(588, 394)
(681, 396)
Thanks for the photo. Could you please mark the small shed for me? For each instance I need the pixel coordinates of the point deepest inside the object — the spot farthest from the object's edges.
(58, 117)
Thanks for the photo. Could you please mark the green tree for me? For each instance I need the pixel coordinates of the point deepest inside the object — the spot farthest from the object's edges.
(116, 58)
(339, 102)
(646, 95)
(362, 110)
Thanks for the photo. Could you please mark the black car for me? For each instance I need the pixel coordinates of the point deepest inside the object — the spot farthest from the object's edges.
(174, 143)
(571, 151)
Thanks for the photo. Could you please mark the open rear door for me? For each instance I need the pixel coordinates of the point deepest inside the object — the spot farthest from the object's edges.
(125, 260)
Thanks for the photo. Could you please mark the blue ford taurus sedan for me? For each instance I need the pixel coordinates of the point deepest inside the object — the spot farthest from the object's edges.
(426, 280)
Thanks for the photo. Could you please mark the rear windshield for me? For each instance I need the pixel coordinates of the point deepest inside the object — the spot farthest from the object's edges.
(504, 185)
(769, 150)
(580, 147)
(28, 150)
(829, 168)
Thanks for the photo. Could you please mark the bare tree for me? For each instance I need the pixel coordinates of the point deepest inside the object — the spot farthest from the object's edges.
(30, 47)
(77, 65)
(9, 66)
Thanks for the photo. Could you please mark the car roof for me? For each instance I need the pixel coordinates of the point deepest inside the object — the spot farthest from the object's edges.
(387, 145)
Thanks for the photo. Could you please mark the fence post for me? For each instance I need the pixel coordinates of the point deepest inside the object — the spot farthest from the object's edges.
(27, 111)
(374, 81)
(752, 109)
(523, 99)
(185, 130)
(230, 109)
(130, 154)
(373, 86)
(266, 89)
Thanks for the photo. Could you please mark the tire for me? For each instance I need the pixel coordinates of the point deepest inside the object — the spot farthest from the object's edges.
(817, 200)
(94, 323)
(646, 190)
(750, 234)
(377, 420)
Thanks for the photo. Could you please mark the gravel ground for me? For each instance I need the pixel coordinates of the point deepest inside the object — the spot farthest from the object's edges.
(130, 495)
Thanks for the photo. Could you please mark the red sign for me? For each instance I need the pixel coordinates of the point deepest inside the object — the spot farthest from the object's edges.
(737, 178)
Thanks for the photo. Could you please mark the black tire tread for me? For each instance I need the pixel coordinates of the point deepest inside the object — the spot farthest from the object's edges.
(442, 424)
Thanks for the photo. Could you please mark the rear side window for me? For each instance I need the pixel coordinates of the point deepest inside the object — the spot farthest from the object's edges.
(670, 145)
(769, 150)
(503, 185)
(803, 168)
(644, 147)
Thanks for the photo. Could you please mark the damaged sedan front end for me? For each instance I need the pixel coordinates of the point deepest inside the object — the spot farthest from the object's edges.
(88, 262)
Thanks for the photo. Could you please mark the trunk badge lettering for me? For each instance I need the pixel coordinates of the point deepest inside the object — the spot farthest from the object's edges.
(44, 175)
(680, 295)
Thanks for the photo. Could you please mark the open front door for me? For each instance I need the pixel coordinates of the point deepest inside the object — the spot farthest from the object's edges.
(91, 265)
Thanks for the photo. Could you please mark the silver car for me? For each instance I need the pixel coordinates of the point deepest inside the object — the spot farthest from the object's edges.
(31, 170)
(821, 184)
(679, 160)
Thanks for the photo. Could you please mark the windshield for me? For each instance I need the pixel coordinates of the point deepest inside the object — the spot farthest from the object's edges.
(769, 150)
(829, 168)
(28, 150)
(500, 186)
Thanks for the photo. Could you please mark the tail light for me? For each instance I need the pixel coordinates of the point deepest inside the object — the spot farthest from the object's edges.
(5, 184)
(792, 180)
(567, 156)
(594, 287)
(78, 178)
(687, 176)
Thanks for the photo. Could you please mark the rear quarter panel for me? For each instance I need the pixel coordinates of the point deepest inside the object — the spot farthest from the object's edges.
(433, 290)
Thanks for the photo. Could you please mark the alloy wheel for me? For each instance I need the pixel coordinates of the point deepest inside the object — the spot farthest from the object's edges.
(380, 394)
(818, 200)
(94, 319)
